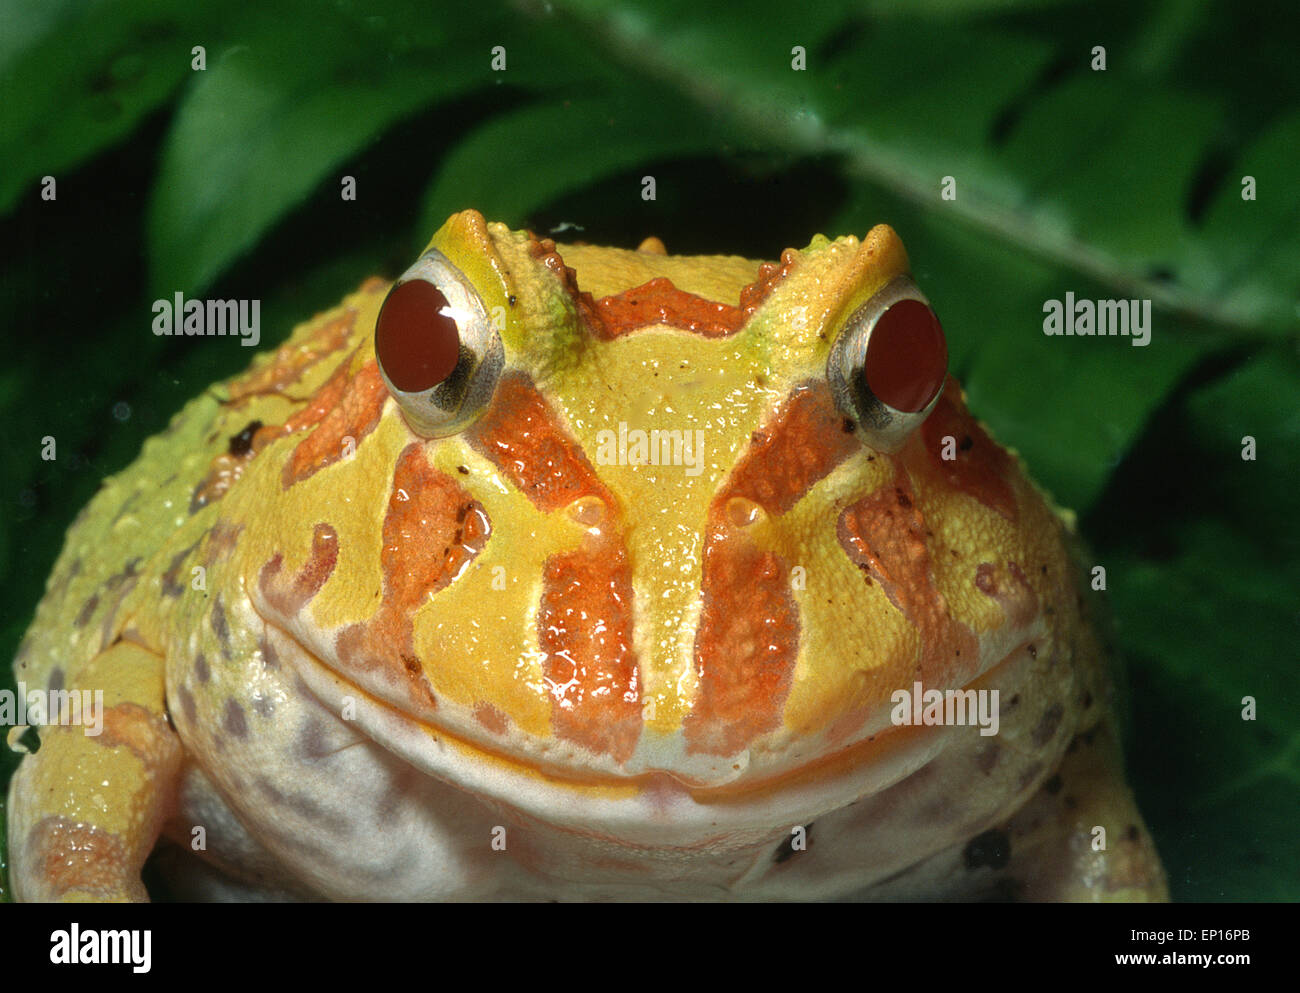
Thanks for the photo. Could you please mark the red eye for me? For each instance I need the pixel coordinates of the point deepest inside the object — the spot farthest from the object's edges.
(907, 357)
(417, 344)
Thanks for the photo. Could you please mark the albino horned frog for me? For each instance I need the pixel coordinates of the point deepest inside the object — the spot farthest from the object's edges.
(568, 572)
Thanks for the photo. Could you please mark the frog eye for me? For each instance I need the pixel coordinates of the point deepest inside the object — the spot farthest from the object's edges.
(437, 350)
(889, 363)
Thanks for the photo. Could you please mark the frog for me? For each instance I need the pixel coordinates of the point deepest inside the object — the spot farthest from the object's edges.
(568, 572)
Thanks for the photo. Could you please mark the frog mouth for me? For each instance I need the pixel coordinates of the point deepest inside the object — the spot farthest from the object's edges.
(654, 806)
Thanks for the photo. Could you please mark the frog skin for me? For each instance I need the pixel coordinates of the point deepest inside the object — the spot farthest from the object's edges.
(407, 626)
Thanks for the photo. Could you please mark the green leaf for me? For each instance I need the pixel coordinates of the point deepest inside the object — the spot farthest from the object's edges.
(268, 122)
(1071, 406)
(78, 77)
(1096, 170)
(520, 161)
(1251, 252)
(1206, 607)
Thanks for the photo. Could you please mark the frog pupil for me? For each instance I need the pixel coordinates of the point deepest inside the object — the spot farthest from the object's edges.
(907, 357)
(416, 341)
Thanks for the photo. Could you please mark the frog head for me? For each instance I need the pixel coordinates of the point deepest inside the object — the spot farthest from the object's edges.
(645, 545)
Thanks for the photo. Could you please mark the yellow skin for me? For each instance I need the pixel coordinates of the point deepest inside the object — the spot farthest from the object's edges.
(316, 688)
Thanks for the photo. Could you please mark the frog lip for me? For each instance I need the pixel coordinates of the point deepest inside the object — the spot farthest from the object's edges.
(653, 807)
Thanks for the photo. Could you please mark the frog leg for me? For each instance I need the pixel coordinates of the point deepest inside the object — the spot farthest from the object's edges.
(1051, 848)
(86, 809)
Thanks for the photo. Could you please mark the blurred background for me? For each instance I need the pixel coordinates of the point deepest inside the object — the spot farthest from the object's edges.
(1118, 183)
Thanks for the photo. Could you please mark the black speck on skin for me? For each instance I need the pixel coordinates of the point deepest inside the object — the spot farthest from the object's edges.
(242, 443)
(992, 849)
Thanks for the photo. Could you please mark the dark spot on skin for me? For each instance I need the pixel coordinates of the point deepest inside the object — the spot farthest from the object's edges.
(1070, 802)
(1047, 725)
(170, 586)
(966, 443)
(1044, 570)
(270, 660)
(234, 721)
(269, 791)
(904, 500)
(1087, 736)
(987, 757)
(461, 511)
(412, 664)
(305, 807)
(201, 668)
(991, 849)
(1132, 834)
(786, 849)
(241, 444)
(219, 626)
(1053, 785)
(56, 680)
(311, 740)
(399, 790)
(264, 705)
(462, 470)
(1033, 651)
(187, 703)
(847, 427)
(1014, 701)
(87, 611)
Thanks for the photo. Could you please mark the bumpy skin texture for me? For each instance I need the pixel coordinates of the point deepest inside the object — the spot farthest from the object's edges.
(343, 660)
